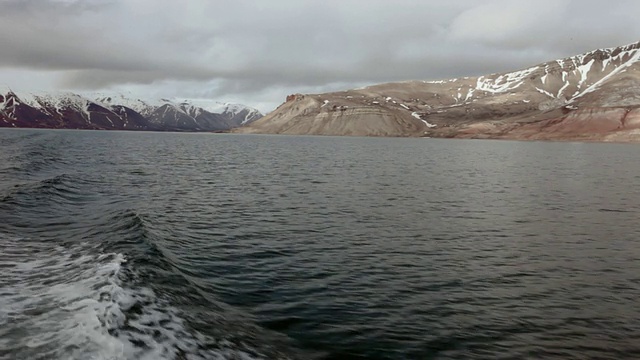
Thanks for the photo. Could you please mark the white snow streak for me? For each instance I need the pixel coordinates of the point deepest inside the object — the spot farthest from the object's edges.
(584, 71)
(566, 84)
(542, 91)
(622, 67)
(417, 116)
(504, 83)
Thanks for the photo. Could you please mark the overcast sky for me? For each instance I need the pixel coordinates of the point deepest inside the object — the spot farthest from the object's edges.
(257, 51)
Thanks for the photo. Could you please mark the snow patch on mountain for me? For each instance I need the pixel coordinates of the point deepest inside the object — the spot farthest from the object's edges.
(136, 104)
(504, 83)
(191, 107)
(577, 73)
(417, 116)
(101, 110)
(634, 56)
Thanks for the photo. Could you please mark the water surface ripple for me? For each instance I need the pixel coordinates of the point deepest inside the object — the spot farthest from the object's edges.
(119, 245)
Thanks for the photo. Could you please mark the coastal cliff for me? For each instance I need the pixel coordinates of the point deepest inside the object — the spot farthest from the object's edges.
(592, 96)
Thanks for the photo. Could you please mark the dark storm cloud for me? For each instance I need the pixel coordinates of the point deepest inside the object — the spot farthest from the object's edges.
(251, 49)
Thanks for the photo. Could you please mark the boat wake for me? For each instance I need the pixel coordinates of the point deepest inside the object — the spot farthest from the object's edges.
(61, 302)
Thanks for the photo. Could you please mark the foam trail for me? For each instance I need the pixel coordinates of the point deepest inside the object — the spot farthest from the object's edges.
(67, 303)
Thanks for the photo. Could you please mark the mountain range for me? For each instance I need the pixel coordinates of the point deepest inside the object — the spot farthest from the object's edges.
(592, 96)
(118, 112)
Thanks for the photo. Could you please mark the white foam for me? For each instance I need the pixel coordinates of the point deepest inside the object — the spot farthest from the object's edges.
(56, 304)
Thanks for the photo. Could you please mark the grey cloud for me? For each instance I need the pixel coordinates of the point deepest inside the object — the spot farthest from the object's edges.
(43, 34)
(558, 27)
(255, 49)
(52, 7)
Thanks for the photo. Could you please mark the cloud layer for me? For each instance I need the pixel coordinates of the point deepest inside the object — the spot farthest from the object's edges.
(256, 52)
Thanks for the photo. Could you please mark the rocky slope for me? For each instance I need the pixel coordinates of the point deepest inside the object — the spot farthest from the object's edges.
(72, 111)
(593, 96)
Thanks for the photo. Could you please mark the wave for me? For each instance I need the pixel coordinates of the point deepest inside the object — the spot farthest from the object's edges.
(157, 267)
(69, 303)
(13, 138)
(58, 188)
(35, 153)
(86, 276)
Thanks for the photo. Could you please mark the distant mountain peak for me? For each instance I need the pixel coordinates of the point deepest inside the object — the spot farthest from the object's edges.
(108, 111)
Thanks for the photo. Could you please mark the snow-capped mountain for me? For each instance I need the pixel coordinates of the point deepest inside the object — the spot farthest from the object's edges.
(592, 95)
(118, 112)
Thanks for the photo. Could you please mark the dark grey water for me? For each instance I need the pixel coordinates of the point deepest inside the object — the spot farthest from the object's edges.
(117, 245)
